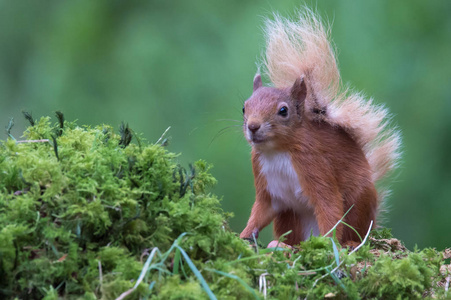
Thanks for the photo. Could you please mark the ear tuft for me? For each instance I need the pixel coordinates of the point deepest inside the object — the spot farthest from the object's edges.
(299, 90)
(257, 81)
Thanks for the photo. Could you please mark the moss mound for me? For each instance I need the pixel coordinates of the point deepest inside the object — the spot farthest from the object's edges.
(86, 213)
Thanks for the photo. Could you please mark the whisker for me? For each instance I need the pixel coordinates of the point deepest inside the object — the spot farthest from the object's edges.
(233, 120)
(222, 131)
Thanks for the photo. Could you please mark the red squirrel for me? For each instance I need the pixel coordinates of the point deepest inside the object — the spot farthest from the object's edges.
(317, 149)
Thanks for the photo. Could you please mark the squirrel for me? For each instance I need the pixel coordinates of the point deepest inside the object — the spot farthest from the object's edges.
(318, 149)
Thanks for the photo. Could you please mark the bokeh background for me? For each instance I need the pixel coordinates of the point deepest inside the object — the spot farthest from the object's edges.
(190, 65)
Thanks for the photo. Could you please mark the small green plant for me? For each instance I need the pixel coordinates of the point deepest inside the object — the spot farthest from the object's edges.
(86, 212)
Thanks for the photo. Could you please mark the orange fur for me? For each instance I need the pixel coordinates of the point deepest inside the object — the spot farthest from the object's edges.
(337, 143)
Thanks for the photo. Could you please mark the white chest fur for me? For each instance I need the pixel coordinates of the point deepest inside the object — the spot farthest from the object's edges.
(282, 180)
(285, 190)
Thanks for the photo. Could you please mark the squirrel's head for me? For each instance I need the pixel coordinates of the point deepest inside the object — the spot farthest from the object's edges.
(271, 114)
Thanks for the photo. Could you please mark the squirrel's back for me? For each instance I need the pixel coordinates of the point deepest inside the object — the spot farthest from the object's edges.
(303, 48)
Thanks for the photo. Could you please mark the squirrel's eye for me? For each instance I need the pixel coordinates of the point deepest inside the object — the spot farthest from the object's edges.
(283, 111)
(243, 110)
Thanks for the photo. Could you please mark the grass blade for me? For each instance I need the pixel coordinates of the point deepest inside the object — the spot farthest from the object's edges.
(337, 281)
(339, 221)
(176, 263)
(337, 257)
(272, 249)
(353, 229)
(241, 281)
(146, 266)
(197, 273)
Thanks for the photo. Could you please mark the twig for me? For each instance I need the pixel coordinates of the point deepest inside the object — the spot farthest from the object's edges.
(364, 240)
(100, 275)
(154, 252)
(162, 136)
(262, 284)
(447, 284)
(125, 294)
(33, 141)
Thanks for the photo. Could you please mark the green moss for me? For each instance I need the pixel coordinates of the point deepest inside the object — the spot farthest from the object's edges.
(94, 202)
(406, 278)
(86, 214)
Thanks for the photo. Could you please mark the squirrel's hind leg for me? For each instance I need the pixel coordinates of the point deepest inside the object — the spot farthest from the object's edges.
(286, 221)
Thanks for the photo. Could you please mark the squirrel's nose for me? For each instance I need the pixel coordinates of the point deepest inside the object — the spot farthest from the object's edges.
(253, 127)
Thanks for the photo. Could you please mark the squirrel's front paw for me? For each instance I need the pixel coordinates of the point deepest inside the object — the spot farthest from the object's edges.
(247, 234)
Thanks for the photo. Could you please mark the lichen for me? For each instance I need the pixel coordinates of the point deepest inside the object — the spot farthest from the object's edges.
(85, 212)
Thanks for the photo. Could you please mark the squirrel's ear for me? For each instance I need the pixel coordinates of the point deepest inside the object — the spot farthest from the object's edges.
(257, 82)
(299, 90)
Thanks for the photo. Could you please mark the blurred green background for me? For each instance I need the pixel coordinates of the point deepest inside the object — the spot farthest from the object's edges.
(190, 65)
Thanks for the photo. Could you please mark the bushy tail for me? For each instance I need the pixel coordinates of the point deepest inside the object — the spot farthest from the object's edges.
(301, 47)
